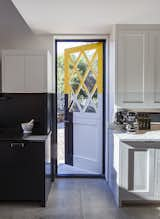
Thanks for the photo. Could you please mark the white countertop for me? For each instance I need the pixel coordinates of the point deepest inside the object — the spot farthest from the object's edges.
(148, 136)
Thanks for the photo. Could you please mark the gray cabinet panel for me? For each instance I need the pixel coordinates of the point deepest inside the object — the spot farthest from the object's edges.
(136, 172)
(155, 66)
(13, 74)
(139, 166)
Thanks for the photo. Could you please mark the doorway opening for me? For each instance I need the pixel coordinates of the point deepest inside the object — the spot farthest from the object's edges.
(80, 107)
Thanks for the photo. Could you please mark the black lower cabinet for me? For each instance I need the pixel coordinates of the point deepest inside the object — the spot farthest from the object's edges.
(25, 171)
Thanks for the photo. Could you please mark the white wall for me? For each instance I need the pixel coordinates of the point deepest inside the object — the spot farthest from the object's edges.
(15, 33)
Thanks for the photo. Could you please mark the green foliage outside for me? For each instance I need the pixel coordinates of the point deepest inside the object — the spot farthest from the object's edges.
(82, 67)
(60, 74)
(75, 82)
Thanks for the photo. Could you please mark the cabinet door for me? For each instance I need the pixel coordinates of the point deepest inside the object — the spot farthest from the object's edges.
(136, 172)
(157, 175)
(21, 170)
(34, 74)
(132, 69)
(13, 80)
(155, 66)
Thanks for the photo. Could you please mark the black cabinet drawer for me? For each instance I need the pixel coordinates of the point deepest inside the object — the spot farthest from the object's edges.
(21, 154)
(21, 184)
(23, 171)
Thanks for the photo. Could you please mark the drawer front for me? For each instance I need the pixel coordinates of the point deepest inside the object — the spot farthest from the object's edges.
(20, 154)
(137, 165)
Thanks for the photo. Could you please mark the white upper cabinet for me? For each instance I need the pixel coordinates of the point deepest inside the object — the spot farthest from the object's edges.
(26, 71)
(34, 77)
(13, 77)
(155, 66)
(138, 67)
(132, 68)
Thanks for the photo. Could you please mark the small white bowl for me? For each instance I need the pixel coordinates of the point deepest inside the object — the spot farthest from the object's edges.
(27, 127)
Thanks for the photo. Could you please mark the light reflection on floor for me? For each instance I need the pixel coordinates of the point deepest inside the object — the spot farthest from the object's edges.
(67, 169)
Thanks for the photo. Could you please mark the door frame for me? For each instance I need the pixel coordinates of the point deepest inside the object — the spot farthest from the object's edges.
(105, 40)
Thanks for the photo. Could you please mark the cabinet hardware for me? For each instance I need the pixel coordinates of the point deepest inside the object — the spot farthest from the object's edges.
(17, 144)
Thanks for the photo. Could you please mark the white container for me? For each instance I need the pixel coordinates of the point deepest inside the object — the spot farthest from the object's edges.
(27, 127)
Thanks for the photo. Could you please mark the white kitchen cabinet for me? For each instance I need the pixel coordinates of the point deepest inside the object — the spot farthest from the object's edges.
(13, 79)
(134, 168)
(157, 174)
(34, 73)
(132, 84)
(26, 71)
(137, 171)
(154, 43)
(137, 76)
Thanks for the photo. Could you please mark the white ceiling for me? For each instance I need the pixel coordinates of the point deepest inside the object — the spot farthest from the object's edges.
(86, 16)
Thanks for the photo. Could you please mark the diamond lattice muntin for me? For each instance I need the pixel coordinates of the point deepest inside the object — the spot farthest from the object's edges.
(83, 69)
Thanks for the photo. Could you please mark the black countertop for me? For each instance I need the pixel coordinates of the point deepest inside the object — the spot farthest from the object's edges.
(10, 135)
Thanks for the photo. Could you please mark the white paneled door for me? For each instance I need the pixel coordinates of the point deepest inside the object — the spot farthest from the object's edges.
(84, 107)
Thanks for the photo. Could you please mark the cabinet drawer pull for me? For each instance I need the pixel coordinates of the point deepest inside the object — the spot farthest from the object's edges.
(17, 144)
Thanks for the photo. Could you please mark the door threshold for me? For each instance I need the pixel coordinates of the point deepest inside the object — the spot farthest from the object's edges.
(80, 176)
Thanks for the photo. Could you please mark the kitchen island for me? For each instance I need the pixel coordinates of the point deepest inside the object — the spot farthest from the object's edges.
(134, 167)
(25, 167)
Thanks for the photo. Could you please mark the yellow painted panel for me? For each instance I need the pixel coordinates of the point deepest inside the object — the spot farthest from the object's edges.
(81, 49)
(100, 69)
(66, 73)
(84, 47)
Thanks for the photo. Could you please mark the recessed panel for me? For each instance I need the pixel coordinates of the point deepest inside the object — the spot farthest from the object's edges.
(139, 167)
(131, 68)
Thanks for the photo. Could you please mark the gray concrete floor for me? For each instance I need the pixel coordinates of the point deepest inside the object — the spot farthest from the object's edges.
(77, 199)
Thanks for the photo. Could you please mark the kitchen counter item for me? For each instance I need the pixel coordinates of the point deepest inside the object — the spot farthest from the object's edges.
(144, 121)
(131, 120)
(28, 126)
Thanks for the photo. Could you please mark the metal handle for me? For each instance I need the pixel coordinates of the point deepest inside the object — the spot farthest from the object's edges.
(17, 144)
(66, 121)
